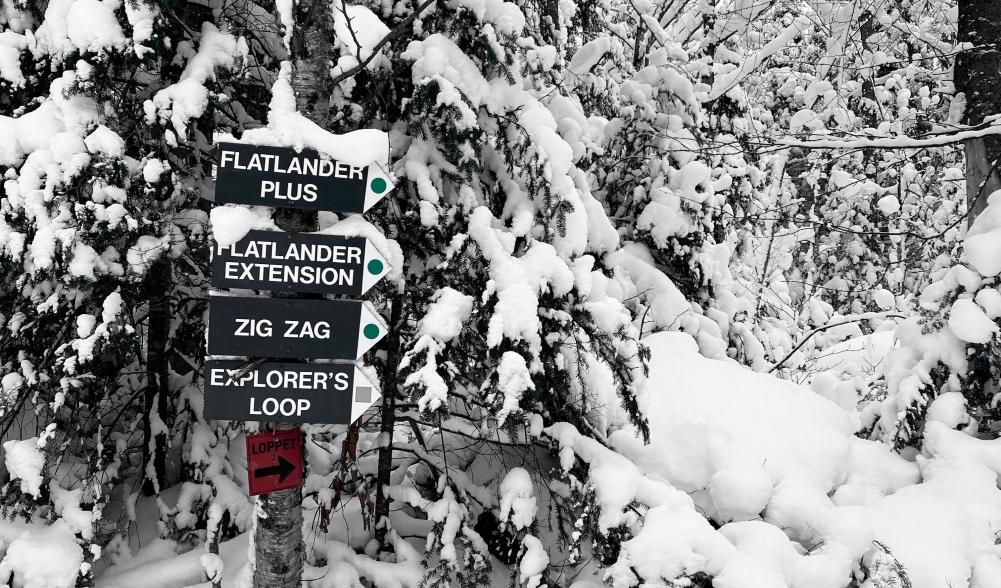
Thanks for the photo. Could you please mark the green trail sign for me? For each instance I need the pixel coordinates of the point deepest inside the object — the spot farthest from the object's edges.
(299, 262)
(291, 392)
(292, 327)
(283, 177)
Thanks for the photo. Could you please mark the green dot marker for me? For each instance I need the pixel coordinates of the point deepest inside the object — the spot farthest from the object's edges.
(379, 185)
(375, 267)
(371, 331)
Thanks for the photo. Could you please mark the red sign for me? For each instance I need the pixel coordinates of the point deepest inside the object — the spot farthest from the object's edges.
(274, 461)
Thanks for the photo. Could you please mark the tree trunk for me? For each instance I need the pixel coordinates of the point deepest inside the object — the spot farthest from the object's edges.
(978, 75)
(278, 542)
(278, 545)
(157, 389)
(390, 385)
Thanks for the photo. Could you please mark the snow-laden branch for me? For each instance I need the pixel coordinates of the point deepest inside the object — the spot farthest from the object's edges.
(730, 79)
(847, 321)
(898, 142)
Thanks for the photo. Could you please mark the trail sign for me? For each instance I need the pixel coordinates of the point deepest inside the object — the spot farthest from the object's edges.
(327, 393)
(283, 177)
(299, 262)
(274, 461)
(287, 327)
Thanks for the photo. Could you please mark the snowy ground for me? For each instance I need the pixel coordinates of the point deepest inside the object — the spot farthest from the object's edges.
(802, 497)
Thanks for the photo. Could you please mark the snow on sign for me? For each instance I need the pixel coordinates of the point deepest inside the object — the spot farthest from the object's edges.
(286, 327)
(291, 262)
(292, 392)
(274, 461)
(283, 177)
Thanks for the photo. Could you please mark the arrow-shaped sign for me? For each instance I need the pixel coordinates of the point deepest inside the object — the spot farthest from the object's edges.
(283, 177)
(271, 454)
(286, 327)
(306, 262)
(282, 470)
(322, 393)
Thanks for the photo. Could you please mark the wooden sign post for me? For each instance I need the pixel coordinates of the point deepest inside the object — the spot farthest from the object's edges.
(288, 393)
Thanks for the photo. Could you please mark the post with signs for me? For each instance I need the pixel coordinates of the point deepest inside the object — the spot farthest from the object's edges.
(271, 336)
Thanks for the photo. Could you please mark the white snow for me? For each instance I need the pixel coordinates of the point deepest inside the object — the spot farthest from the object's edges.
(24, 461)
(517, 498)
(533, 562)
(358, 30)
(153, 169)
(146, 250)
(67, 505)
(740, 493)
(513, 379)
(188, 98)
(46, 557)
(989, 299)
(717, 415)
(884, 299)
(969, 322)
(141, 16)
(447, 314)
(79, 25)
(106, 142)
(11, 46)
(11, 383)
(231, 223)
(949, 409)
(981, 251)
(888, 205)
(741, 443)
(289, 128)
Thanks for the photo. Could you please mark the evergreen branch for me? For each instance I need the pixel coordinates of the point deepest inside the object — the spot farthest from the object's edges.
(397, 32)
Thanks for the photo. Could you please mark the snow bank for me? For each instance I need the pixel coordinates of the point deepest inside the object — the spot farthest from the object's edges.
(800, 499)
(808, 500)
(716, 416)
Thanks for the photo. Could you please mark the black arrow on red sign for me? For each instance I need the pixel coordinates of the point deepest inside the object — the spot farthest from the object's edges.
(282, 470)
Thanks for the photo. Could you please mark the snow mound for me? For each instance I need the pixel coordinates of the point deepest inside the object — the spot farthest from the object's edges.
(968, 322)
(715, 415)
(808, 500)
(44, 557)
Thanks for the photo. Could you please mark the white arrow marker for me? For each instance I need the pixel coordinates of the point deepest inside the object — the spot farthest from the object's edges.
(364, 395)
(375, 267)
(371, 328)
(379, 185)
